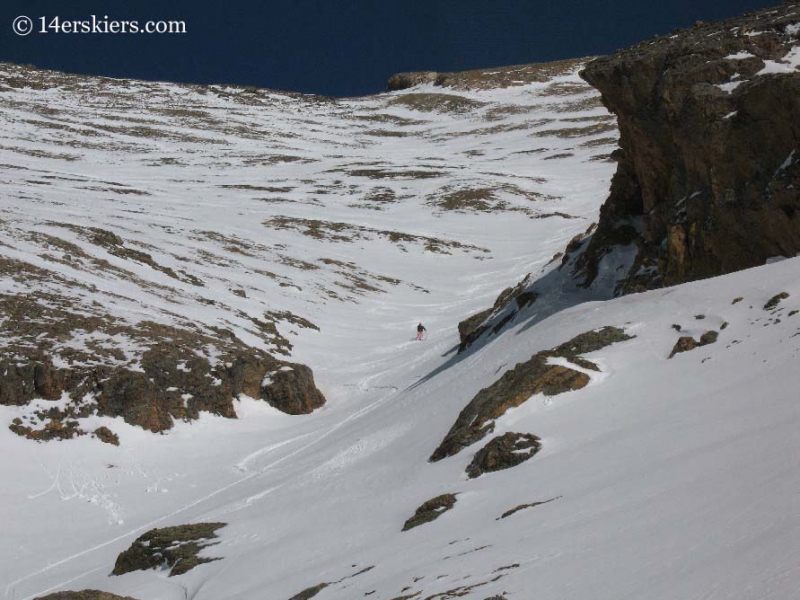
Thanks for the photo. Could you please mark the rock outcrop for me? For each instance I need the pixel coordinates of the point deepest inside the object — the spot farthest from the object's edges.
(495, 77)
(708, 177)
(175, 548)
(520, 507)
(149, 374)
(403, 81)
(538, 375)
(773, 302)
(309, 593)
(84, 595)
(471, 328)
(504, 452)
(686, 343)
(430, 511)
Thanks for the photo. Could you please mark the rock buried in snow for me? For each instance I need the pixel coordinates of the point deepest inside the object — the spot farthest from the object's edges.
(686, 343)
(104, 434)
(175, 548)
(516, 509)
(84, 595)
(309, 593)
(775, 300)
(430, 511)
(534, 376)
(504, 452)
(312, 591)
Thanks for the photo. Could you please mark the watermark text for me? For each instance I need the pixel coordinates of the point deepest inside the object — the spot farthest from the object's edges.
(94, 25)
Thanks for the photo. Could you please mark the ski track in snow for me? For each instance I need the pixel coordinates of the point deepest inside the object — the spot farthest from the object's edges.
(241, 466)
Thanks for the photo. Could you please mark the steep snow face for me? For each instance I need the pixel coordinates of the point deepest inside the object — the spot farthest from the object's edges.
(660, 478)
(659, 467)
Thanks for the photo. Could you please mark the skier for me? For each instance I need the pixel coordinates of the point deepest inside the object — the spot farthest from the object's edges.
(421, 331)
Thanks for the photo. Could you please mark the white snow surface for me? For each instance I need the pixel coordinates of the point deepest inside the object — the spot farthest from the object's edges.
(669, 478)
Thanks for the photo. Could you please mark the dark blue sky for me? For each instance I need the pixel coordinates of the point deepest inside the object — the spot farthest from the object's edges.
(341, 48)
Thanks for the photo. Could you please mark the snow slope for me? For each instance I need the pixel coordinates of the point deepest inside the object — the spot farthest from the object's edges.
(665, 478)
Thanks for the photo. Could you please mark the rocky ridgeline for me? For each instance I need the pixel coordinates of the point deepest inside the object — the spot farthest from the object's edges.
(68, 362)
(480, 79)
(708, 176)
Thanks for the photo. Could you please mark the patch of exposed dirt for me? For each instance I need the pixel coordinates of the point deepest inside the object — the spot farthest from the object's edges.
(483, 199)
(388, 173)
(245, 187)
(332, 231)
(115, 245)
(432, 102)
(576, 132)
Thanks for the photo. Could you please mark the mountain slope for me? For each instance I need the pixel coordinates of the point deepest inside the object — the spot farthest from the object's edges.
(657, 476)
(160, 220)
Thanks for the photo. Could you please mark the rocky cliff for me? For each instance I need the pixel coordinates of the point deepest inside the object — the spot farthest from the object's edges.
(708, 174)
(708, 169)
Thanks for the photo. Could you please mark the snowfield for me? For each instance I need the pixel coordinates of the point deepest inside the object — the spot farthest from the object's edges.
(663, 478)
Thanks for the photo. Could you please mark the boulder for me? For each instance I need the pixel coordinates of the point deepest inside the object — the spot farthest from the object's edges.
(773, 302)
(430, 511)
(504, 452)
(175, 548)
(686, 343)
(403, 81)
